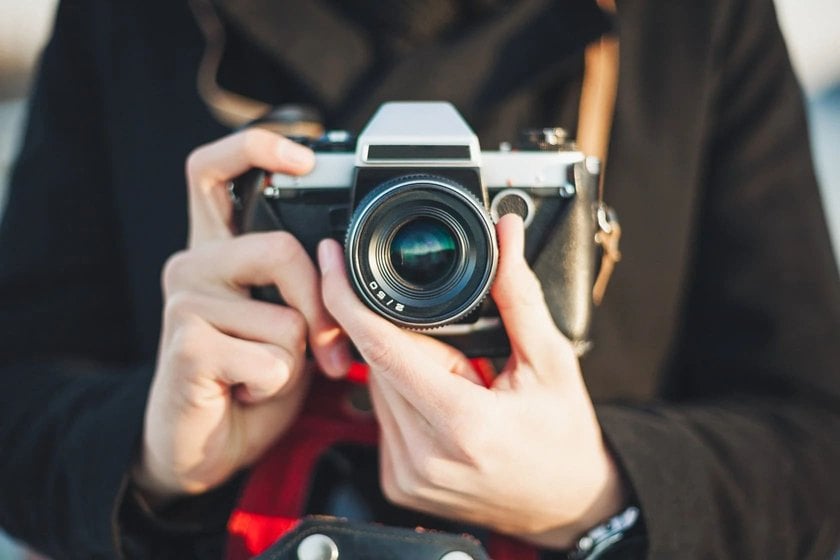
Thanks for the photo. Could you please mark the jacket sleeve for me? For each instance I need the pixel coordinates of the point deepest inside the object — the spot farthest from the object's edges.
(71, 405)
(741, 457)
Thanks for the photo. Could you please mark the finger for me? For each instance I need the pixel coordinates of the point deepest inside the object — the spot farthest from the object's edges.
(210, 167)
(260, 370)
(265, 420)
(277, 258)
(243, 318)
(212, 363)
(519, 297)
(433, 389)
(251, 383)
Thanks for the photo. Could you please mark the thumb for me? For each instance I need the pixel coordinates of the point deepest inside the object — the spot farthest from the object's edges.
(519, 297)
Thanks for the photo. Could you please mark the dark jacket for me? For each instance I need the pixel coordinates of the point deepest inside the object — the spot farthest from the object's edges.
(715, 368)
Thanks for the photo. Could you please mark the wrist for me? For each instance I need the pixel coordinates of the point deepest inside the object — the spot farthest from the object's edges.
(610, 498)
(149, 488)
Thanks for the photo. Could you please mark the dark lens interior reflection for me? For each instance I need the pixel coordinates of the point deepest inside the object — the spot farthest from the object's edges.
(423, 251)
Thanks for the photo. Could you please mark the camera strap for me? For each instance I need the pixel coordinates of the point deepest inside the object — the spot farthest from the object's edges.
(597, 108)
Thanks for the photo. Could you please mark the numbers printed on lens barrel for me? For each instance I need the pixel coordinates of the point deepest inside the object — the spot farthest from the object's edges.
(382, 295)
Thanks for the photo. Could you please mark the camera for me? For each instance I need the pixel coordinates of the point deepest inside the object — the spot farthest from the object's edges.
(415, 201)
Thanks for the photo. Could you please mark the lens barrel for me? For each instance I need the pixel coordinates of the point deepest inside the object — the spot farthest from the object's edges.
(421, 250)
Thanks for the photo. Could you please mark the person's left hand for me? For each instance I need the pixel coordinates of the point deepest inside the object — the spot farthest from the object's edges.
(524, 457)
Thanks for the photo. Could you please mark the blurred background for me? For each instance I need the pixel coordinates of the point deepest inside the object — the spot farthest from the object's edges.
(810, 26)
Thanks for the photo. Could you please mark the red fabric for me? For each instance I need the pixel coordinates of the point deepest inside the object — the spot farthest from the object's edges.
(358, 373)
(485, 370)
(275, 494)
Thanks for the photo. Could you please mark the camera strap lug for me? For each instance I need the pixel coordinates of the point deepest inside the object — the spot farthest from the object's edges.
(608, 238)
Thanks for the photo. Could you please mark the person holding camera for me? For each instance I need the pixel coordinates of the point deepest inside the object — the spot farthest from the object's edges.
(232, 373)
(709, 402)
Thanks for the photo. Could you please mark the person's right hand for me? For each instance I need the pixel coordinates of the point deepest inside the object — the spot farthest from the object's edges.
(231, 371)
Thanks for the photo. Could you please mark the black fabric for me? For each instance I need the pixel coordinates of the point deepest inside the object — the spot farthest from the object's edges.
(193, 527)
(714, 368)
(347, 68)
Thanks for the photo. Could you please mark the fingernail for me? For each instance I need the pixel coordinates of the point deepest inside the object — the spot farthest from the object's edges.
(294, 153)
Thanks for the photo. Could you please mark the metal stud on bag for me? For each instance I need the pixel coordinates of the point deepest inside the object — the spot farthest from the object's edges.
(456, 555)
(317, 547)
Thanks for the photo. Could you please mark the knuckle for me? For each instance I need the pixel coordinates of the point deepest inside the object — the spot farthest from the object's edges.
(296, 328)
(285, 245)
(175, 270)
(390, 490)
(377, 351)
(277, 248)
(282, 359)
(260, 246)
(282, 366)
(428, 469)
(189, 346)
(194, 165)
(405, 482)
(179, 306)
(396, 488)
(254, 140)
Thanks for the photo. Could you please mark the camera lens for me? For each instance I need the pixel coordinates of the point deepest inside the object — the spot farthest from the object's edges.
(423, 251)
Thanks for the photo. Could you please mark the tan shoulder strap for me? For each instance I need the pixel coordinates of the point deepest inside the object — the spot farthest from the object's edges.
(228, 108)
(597, 100)
(595, 118)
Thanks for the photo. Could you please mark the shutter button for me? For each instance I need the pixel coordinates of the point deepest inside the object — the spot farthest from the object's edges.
(318, 547)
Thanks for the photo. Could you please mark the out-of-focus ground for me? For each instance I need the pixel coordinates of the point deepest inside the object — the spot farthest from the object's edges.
(810, 27)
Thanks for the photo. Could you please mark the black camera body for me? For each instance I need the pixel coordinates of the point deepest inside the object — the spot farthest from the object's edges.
(414, 201)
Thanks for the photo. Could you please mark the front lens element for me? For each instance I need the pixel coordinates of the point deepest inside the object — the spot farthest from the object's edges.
(423, 251)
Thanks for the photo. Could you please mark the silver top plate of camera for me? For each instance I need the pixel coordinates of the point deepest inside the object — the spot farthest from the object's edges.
(432, 134)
